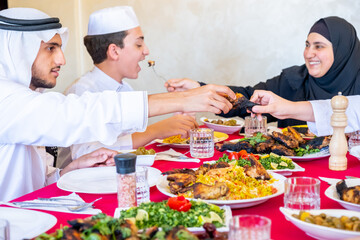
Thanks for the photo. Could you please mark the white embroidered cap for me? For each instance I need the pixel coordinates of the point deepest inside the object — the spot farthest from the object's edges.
(111, 20)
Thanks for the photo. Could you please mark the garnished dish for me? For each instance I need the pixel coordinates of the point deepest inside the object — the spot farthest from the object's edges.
(346, 193)
(289, 143)
(224, 184)
(177, 141)
(224, 125)
(271, 162)
(178, 211)
(102, 226)
(325, 223)
(144, 157)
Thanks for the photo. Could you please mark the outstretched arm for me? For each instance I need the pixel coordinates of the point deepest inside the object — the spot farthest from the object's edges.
(280, 107)
(203, 99)
(99, 157)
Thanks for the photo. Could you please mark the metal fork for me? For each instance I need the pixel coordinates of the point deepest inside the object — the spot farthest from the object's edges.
(83, 207)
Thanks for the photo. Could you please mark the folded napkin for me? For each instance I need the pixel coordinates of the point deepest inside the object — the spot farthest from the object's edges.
(172, 155)
(74, 196)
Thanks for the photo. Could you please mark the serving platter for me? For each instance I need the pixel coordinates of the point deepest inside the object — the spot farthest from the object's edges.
(331, 193)
(163, 187)
(218, 137)
(97, 180)
(26, 224)
(322, 232)
(223, 128)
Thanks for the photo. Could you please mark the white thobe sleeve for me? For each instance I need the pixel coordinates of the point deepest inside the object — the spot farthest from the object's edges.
(323, 112)
(52, 119)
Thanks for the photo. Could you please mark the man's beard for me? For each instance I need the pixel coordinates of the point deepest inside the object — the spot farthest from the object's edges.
(40, 83)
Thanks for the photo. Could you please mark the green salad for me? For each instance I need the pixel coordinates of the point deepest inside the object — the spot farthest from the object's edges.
(160, 214)
(302, 151)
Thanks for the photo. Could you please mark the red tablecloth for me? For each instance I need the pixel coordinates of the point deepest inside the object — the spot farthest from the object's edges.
(280, 227)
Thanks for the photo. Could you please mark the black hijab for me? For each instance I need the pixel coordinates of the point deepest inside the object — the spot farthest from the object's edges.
(344, 74)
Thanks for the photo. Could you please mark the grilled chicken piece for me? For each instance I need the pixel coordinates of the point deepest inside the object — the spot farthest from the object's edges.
(318, 142)
(220, 165)
(241, 102)
(180, 170)
(296, 135)
(349, 194)
(182, 178)
(205, 191)
(265, 147)
(178, 181)
(203, 169)
(287, 141)
(256, 170)
(282, 150)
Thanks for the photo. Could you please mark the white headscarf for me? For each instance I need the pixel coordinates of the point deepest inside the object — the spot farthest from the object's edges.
(19, 48)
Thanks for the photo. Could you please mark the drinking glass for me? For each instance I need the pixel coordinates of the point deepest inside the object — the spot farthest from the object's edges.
(253, 125)
(249, 227)
(4, 229)
(202, 142)
(354, 139)
(142, 185)
(302, 193)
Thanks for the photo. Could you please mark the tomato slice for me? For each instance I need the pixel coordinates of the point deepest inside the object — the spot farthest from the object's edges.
(179, 203)
(234, 155)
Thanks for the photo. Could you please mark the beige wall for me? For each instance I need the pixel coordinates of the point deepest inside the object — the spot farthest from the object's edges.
(236, 42)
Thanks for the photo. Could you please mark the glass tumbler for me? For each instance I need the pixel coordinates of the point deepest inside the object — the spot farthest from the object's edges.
(249, 227)
(354, 139)
(302, 193)
(4, 229)
(202, 142)
(253, 125)
(142, 185)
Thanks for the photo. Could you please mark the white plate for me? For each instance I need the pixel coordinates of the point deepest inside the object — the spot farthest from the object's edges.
(223, 128)
(321, 232)
(218, 137)
(142, 160)
(163, 186)
(288, 172)
(311, 157)
(97, 180)
(26, 223)
(228, 216)
(331, 193)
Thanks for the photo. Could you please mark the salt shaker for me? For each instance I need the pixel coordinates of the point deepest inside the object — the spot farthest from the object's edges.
(338, 144)
(126, 179)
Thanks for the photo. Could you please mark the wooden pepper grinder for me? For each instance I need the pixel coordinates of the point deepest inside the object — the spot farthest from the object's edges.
(338, 144)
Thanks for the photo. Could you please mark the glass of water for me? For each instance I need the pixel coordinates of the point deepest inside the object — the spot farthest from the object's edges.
(302, 193)
(202, 142)
(253, 227)
(142, 185)
(253, 125)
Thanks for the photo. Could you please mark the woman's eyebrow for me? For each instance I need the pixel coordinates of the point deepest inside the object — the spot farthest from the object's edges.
(54, 44)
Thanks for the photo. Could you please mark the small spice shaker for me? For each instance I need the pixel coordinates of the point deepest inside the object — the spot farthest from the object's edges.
(126, 179)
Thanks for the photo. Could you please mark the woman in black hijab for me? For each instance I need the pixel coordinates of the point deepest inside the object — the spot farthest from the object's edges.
(300, 83)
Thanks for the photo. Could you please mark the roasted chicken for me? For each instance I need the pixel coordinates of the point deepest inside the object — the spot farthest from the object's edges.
(348, 194)
(204, 191)
(241, 102)
(256, 170)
